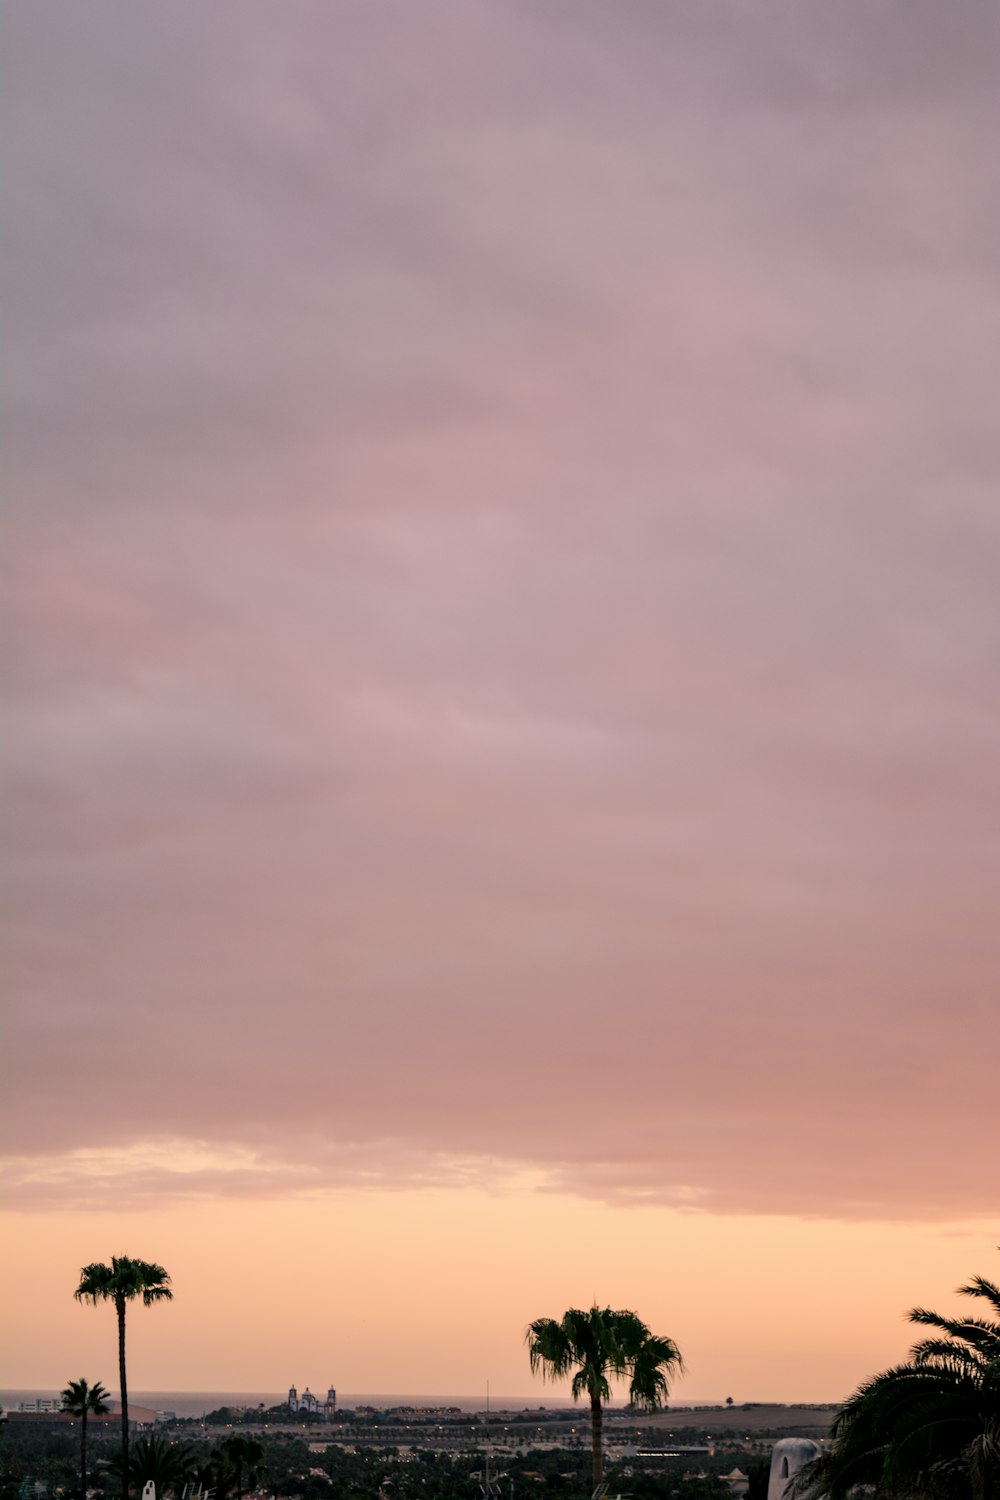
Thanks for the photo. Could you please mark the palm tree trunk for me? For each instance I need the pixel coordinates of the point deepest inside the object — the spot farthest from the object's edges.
(83, 1454)
(596, 1425)
(120, 1307)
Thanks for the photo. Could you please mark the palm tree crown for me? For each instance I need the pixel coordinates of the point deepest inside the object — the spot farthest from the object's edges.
(929, 1427)
(82, 1400)
(122, 1282)
(597, 1346)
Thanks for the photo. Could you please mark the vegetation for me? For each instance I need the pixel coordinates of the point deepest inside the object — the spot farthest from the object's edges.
(82, 1400)
(122, 1282)
(928, 1429)
(597, 1346)
(758, 1480)
(47, 1456)
(245, 1456)
(170, 1465)
(39, 1459)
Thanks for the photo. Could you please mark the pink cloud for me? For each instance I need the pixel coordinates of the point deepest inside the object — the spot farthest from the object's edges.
(504, 601)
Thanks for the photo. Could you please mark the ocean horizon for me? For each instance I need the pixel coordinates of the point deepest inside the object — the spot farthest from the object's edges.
(197, 1403)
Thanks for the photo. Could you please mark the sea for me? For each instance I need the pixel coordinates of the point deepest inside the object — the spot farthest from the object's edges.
(197, 1403)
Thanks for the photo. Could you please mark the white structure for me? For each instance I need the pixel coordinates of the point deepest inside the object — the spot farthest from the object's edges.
(788, 1457)
(307, 1402)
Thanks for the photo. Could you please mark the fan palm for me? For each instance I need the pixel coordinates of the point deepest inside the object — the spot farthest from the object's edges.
(168, 1464)
(929, 1427)
(122, 1282)
(597, 1346)
(83, 1400)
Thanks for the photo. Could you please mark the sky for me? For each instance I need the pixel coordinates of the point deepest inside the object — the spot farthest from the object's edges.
(502, 752)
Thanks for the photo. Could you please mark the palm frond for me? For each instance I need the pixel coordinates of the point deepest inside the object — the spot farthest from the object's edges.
(929, 1427)
(946, 1353)
(977, 1331)
(980, 1287)
(549, 1350)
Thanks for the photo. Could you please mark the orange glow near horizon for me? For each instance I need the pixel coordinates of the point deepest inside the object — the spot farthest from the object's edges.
(430, 1291)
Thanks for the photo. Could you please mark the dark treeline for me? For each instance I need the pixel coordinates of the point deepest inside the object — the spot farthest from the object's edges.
(36, 1464)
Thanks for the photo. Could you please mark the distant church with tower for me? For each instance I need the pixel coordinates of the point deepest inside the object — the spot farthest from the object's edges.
(311, 1404)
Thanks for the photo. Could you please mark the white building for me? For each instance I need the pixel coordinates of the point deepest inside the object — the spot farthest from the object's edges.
(307, 1402)
(788, 1457)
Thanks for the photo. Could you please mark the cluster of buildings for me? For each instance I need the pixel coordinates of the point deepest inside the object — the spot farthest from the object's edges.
(47, 1412)
(424, 1411)
(307, 1402)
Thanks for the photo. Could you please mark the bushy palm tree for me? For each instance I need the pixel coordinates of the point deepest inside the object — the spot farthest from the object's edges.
(83, 1400)
(597, 1346)
(122, 1282)
(168, 1464)
(929, 1427)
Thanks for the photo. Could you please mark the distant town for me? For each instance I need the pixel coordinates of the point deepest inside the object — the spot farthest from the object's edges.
(307, 1444)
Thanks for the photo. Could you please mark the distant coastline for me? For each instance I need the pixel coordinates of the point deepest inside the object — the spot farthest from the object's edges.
(197, 1403)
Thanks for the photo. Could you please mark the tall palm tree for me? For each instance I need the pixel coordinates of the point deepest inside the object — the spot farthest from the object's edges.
(82, 1400)
(929, 1427)
(122, 1282)
(596, 1347)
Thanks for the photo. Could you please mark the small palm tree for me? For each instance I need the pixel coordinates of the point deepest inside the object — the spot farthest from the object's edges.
(211, 1473)
(929, 1427)
(122, 1282)
(597, 1346)
(169, 1465)
(82, 1400)
(245, 1456)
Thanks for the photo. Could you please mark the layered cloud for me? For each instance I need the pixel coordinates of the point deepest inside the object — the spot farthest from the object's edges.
(503, 586)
